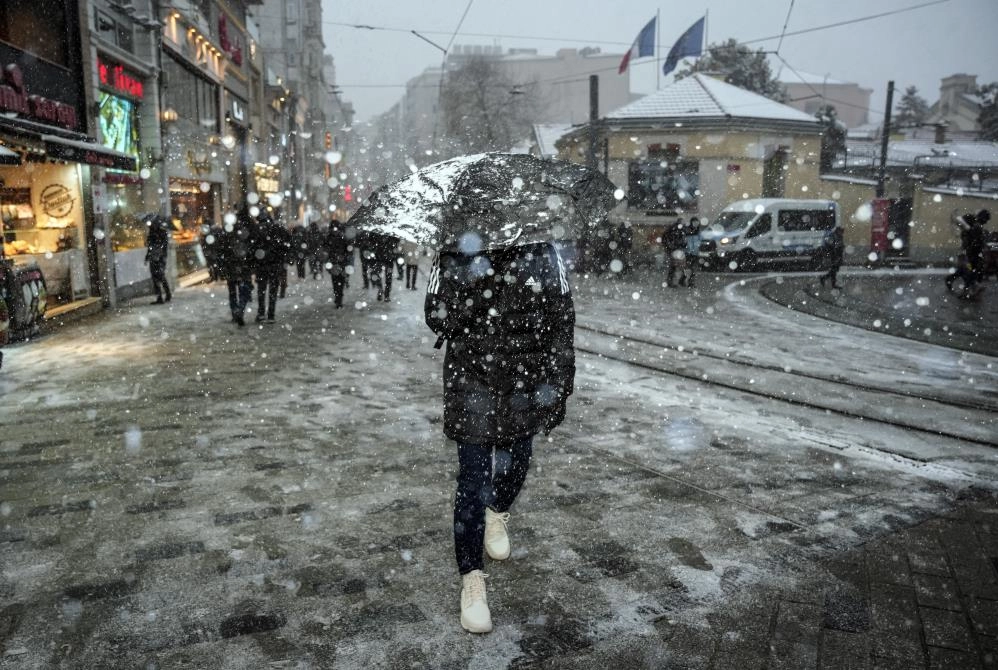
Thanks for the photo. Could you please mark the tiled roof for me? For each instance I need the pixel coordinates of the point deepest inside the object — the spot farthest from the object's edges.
(701, 97)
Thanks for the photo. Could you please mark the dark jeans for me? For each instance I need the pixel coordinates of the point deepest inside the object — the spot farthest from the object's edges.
(268, 281)
(377, 272)
(479, 487)
(240, 293)
(410, 275)
(339, 281)
(157, 271)
(300, 264)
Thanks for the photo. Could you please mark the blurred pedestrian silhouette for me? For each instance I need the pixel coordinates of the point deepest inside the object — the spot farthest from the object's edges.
(157, 249)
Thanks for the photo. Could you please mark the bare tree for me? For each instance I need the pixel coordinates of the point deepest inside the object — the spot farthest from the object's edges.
(484, 109)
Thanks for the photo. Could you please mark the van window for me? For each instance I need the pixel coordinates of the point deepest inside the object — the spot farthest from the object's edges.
(797, 220)
(761, 226)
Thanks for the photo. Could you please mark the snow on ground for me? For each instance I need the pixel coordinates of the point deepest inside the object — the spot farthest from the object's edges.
(198, 475)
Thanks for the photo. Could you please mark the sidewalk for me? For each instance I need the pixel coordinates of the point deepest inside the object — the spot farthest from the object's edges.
(912, 304)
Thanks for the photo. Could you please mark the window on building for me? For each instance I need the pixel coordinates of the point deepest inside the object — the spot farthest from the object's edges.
(658, 185)
(191, 96)
(117, 32)
(37, 26)
(798, 220)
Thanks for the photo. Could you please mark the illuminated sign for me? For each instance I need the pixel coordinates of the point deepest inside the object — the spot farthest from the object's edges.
(118, 120)
(116, 77)
(231, 46)
(14, 97)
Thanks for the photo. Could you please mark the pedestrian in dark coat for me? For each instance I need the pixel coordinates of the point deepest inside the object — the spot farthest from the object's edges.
(972, 242)
(339, 258)
(212, 233)
(314, 237)
(833, 248)
(365, 247)
(236, 262)
(508, 319)
(384, 254)
(674, 244)
(271, 250)
(157, 247)
(299, 249)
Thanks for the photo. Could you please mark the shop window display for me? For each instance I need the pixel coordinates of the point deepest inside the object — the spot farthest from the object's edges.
(41, 222)
(118, 118)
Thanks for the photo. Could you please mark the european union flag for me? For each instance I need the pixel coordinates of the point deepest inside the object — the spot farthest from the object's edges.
(689, 43)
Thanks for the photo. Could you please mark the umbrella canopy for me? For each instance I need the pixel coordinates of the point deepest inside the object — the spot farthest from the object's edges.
(497, 199)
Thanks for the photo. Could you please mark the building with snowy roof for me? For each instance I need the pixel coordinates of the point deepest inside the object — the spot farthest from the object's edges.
(810, 92)
(957, 106)
(693, 147)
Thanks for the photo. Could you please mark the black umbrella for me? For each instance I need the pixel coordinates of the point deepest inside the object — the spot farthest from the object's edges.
(495, 199)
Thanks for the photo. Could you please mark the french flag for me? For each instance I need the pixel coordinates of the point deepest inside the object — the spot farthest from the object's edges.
(644, 45)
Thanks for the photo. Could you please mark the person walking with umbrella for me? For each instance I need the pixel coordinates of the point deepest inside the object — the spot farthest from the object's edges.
(498, 294)
(508, 318)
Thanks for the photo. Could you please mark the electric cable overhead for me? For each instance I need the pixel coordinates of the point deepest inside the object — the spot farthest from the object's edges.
(786, 22)
(792, 33)
(540, 38)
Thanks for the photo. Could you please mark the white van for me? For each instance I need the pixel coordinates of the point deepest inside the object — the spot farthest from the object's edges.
(768, 230)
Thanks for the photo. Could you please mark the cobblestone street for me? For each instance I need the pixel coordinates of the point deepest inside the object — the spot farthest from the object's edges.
(176, 492)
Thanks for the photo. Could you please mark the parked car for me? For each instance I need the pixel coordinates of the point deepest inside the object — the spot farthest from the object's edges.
(768, 231)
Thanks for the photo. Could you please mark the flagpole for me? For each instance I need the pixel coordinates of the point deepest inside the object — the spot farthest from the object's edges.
(706, 25)
(658, 49)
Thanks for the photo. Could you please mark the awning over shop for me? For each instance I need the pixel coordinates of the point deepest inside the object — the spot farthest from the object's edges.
(90, 153)
(67, 146)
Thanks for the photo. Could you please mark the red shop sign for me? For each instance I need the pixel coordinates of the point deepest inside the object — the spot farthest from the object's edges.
(14, 97)
(118, 78)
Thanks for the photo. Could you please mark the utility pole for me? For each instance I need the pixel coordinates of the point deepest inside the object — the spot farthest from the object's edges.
(593, 118)
(885, 138)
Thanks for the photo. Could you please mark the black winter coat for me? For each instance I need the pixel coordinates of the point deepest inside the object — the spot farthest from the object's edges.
(509, 320)
(235, 250)
(272, 245)
(337, 251)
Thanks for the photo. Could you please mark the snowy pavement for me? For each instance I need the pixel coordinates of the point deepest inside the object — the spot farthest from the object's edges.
(736, 484)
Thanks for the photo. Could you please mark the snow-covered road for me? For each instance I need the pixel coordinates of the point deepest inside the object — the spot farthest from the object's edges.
(184, 493)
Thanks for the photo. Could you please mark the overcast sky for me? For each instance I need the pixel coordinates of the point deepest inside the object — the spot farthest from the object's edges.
(913, 48)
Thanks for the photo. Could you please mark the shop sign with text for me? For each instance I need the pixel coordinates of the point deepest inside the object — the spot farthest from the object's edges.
(117, 78)
(15, 97)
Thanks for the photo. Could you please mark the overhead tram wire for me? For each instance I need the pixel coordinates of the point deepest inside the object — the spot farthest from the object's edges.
(443, 71)
(559, 80)
(786, 22)
(539, 38)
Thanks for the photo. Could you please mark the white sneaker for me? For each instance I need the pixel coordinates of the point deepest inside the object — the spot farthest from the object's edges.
(496, 538)
(475, 614)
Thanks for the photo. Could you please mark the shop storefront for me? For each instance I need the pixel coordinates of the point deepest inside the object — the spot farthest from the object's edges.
(46, 221)
(120, 110)
(194, 157)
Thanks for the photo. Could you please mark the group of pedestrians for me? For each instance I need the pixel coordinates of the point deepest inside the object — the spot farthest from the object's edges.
(260, 249)
(971, 267)
(245, 250)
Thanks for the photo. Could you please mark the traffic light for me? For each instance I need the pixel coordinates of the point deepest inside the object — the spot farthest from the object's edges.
(347, 193)
(329, 140)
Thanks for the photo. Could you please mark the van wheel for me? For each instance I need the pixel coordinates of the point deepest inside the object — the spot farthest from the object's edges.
(747, 260)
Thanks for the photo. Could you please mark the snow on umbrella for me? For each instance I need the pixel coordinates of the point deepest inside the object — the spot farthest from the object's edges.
(501, 198)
